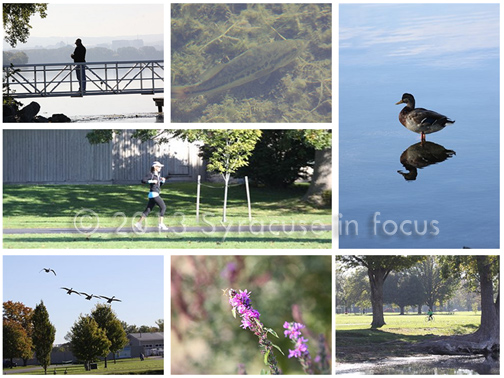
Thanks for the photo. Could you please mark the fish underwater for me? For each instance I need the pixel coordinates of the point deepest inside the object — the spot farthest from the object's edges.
(255, 63)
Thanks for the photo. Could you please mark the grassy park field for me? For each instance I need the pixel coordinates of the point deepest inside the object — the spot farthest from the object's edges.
(356, 341)
(119, 206)
(128, 366)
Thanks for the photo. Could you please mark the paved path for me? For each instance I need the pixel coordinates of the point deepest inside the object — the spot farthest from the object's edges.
(179, 230)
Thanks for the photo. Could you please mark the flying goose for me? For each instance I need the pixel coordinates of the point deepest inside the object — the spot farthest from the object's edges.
(70, 291)
(88, 296)
(109, 300)
(47, 270)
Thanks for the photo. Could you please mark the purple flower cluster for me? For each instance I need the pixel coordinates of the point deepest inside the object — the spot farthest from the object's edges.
(293, 332)
(241, 302)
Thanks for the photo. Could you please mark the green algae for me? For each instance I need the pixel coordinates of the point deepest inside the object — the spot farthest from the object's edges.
(205, 35)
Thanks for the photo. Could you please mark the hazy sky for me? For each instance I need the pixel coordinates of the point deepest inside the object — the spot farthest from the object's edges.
(98, 20)
(136, 280)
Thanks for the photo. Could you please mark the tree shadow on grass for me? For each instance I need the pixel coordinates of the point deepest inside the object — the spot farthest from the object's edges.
(107, 200)
(171, 241)
(373, 344)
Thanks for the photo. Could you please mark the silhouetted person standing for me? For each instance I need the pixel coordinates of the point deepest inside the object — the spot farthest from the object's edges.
(79, 56)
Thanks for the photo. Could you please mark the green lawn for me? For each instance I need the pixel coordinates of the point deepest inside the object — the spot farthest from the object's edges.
(355, 340)
(123, 366)
(55, 206)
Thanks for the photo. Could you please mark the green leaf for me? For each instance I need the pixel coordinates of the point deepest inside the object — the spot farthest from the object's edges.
(264, 372)
(276, 346)
(266, 357)
(258, 324)
(272, 332)
(233, 311)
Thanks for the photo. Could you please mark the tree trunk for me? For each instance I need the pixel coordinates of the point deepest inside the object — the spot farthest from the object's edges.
(226, 183)
(402, 310)
(321, 178)
(376, 280)
(490, 327)
(486, 339)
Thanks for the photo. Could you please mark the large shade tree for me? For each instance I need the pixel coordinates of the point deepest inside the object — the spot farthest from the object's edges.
(483, 272)
(18, 330)
(378, 269)
(88, 341)
(108, 321)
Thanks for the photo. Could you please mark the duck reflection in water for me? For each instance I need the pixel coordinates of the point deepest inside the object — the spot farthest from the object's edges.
(421, 155)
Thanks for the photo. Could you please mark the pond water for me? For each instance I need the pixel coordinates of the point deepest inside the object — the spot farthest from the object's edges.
(423, 365)
(394, 191)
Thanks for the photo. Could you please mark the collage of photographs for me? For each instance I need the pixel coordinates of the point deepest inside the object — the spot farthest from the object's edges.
(232, 233)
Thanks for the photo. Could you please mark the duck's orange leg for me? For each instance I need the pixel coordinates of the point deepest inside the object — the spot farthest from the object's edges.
(422, 137)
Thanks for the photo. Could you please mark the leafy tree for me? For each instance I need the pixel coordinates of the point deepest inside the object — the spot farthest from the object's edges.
(107, 320)
(88, 340)
(403, 289)
(16, 20)
(129, 328)
(483, 271)
(436, 287)
(21, 315)
(43, 335)
(378, 269)
(277, 159)
(144, 329)
(16, 342)
(321, 181)
(230, 150)
(18, 57)
(160, 325)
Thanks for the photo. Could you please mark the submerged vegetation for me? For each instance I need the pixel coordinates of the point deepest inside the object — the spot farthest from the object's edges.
(204, 36)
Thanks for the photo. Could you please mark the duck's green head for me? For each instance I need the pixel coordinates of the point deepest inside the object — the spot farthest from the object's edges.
(407, 99)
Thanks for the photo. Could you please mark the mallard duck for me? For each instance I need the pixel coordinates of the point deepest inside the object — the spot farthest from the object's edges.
(420, 120)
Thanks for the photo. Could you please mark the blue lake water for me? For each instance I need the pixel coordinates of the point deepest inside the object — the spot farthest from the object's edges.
(447, 195)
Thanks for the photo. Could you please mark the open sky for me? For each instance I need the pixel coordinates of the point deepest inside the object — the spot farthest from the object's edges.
(136, 280)
(98, 20)
(93, 23)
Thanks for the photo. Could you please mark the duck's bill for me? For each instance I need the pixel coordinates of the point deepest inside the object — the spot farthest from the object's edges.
(400, 102)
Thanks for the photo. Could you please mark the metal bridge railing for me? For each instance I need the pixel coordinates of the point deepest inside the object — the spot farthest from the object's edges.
(102, 78)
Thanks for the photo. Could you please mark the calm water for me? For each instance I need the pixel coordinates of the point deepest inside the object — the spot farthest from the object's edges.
(107, 108)
(447, 193)
(428, 365)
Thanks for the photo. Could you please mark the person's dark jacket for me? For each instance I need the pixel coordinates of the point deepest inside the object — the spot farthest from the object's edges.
(154, 187)
(79, 54)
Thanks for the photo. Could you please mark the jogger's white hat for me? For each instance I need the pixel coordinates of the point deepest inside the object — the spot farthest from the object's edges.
(157, 163)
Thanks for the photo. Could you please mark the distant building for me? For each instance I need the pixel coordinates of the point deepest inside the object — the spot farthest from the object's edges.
(149, 344)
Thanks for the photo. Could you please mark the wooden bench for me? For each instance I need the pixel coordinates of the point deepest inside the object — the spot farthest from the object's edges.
(159, 103)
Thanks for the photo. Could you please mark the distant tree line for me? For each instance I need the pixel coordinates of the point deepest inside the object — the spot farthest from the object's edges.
(94, 54)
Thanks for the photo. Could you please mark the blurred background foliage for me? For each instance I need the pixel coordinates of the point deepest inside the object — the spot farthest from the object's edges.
(206, 339)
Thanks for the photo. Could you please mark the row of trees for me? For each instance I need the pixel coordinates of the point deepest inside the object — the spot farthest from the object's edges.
(422, 284)
(94, 54)
(435, 280)
(27, 332)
